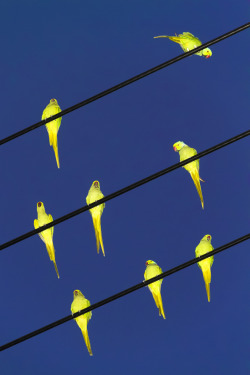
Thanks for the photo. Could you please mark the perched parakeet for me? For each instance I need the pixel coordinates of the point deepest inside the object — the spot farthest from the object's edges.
(53, 126)
(94, 195)
(203, 248)
(188, 41)
(186, 152)
(152, 270)
(79, 303)
(47, 234)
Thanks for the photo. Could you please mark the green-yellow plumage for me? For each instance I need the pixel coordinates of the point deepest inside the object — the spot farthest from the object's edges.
(205, 265)
(186, 152)
(152, 270)
(47, 234)
(53, 126)
(94, 195)
(188, 41)
(79, 303)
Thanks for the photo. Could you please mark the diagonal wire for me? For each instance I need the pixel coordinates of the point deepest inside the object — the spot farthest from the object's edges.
(125, 190)
(124, 292)
(124, 83)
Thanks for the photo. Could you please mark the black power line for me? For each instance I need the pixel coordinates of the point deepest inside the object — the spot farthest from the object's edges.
(124, 83)
(124, 293)
(124, 190)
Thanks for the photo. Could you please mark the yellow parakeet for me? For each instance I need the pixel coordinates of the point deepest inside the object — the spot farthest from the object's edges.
(188, 41)
(94, 195)
(152, 270)
(79, 303)
(53, 126)
(186, 152)
(203, 248)
(47, 234)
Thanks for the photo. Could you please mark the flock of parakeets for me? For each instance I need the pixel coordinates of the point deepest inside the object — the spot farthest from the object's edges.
(187, 42)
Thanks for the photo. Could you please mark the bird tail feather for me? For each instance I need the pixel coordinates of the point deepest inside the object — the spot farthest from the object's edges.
(175, 39)
(55, 147)
(98, 233)
(86, 339)
(196, 178)
(207, 279)
(158, 302)
(50, 137)
(161, 36)
(51, 251)
(56, 270)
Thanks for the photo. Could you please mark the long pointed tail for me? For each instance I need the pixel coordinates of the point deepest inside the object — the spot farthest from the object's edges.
(175, 39)
(161, 36)
(51, 252)
(98, 233)
(158, 302)
(55, 148)
(86, 339)
(196, 178)
(56, 270)
(207, 279)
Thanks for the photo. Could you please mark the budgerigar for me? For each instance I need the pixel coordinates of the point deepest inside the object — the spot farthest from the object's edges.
(94, 195)
(53, 126)
(47, 234)
(79, 303)
(188, 41)
(152, 270)
(186, 152)
(203, 248)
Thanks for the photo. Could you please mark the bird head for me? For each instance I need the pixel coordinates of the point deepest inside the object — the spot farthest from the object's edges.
(150, 262)
(54, 101)
(96, 184)
(207, 52)
(207, 238)
(40, 206)
(178, 145)
(77, 292)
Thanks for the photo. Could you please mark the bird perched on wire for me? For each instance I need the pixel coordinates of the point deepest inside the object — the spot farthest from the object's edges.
(53, 126)
(205, 265)
(47, 234)
(188, 41)
(152, 270)
(94, 195)
(187, 152)
(79, 303)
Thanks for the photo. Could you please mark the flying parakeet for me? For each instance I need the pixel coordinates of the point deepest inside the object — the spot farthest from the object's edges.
(94, 195)
(188, 41)
(186, 152)
(151, 271)
(47, 234)
(53, 126)
(79, 303)
(203, 248)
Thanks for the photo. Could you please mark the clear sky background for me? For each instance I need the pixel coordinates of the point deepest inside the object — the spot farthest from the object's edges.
(71, 50)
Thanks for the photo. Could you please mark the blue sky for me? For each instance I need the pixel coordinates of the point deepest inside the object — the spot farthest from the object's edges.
(71, 50)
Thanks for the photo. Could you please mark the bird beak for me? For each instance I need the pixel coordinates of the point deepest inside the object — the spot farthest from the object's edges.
(207, 57)
(175, 149)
